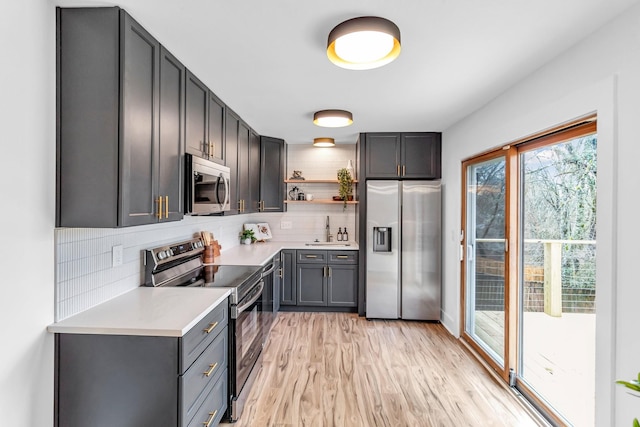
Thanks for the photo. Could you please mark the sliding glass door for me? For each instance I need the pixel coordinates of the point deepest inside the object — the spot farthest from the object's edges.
(528, 246)
(557, 281)
(485, 198)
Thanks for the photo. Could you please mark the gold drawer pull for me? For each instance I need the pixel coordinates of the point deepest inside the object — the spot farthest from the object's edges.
(212, 415)
(311, 256)
(211, 327)
(342, 256)
(211, 369)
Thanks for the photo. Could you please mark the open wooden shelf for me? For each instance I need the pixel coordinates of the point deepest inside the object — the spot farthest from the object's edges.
(320, 201)
(314, 181)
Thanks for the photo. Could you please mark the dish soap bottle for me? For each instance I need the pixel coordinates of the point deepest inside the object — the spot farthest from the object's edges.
(340, 235)
(345, 235)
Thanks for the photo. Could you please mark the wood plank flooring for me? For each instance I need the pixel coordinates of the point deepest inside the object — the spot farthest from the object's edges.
(337, 369)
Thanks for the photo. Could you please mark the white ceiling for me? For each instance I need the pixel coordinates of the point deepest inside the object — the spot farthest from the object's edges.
(266, 59)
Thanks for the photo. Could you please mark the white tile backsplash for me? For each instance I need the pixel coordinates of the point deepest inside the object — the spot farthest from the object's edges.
(85, 277)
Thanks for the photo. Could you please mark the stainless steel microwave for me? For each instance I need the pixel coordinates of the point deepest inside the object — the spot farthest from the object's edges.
(207, 187)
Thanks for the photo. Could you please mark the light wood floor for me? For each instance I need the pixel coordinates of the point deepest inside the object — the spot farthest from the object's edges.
(336, 369)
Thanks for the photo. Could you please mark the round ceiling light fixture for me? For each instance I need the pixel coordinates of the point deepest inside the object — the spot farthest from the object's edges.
(324, 142)
(364, 43)
(332, 118)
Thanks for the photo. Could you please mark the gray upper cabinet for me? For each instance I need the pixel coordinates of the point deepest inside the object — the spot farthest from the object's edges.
(232, 122)
(253, 203)
(412, 155)
(272, 174)
(243, 157)
(382, 155)
(109, 104)
(172, 110)
(204, 122)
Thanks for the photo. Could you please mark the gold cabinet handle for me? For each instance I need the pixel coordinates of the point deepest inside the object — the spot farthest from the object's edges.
(211, 327)
(330, 271)
(398, 170)
(212, 368)
(404, 170)
(342, 256)
(212, 415)
(166, 206)
(159, 214)
(261, 206)
(311, 256)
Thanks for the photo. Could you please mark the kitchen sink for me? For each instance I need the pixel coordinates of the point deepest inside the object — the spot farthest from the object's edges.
(328, 244)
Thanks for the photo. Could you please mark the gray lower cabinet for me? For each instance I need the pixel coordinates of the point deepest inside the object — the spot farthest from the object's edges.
(132, 381)
(116, 164)
(288, 282)
(326, 278)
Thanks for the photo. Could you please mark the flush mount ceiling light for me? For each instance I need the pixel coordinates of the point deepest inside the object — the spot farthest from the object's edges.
(332, 118)
(364, 43)
(324, 142)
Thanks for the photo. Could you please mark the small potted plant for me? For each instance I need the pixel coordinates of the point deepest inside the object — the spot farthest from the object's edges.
(345, 189)
(247, 237)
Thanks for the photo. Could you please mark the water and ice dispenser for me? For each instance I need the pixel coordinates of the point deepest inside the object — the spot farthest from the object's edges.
(381, 239)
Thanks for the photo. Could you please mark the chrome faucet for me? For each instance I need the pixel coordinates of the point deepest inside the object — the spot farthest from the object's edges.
(329, 235)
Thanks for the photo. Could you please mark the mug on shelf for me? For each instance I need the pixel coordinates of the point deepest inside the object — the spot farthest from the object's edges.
(309, 197)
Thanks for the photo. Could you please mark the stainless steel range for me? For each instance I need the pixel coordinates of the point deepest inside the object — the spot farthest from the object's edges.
(181, 265)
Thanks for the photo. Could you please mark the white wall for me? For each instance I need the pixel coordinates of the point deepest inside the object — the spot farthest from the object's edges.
(602, 74)
(27, 182)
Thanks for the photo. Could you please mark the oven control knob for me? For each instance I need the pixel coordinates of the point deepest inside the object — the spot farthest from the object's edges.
(162, 255)
(169, 252)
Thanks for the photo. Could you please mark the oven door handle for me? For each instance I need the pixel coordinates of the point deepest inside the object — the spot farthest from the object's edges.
(269, 270)
(258, 294)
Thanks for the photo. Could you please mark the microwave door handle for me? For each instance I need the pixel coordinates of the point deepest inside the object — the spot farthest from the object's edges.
(220, 177)
(227, 184)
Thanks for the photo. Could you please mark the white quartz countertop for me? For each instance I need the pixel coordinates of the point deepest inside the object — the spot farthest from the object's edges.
(259, 253)
(168, 312)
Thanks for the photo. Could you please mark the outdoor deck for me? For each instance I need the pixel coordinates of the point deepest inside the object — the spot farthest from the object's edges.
(559, 358)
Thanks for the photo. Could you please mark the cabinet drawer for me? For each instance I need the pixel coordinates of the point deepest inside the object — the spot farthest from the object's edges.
(312, 257)
(200, 336)
(214, 405)
(343, 257)
(205, 370)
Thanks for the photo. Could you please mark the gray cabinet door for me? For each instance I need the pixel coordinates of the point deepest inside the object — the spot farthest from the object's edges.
(382, 151)
(254, 173)
(172, 106)
(196, 117)
(342, 285)
(215, 129)
(231, 142)
(244, 195)
(420, 155)
(272, 187)
(140, 60)
(312, 285)
(288, 291)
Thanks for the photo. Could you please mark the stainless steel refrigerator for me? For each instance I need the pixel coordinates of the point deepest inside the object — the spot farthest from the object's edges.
(403, 278)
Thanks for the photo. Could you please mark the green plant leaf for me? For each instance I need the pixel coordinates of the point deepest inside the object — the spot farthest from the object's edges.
(636, 423)
(633, 385)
